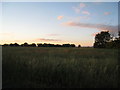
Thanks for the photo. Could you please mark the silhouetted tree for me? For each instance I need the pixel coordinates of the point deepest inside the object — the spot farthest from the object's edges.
(72, 45)
(33, 45)
(66, 45)
(119, 35)
(5, 45)
(11, 45)
(116, 42)
(15, 44)
(25, 44)
(79, 46)
(57, 45)
(39, 44)
(22, 45)
(101, 39)
(45, 45)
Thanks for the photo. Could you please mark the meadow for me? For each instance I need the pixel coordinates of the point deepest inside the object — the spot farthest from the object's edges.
(49, 67)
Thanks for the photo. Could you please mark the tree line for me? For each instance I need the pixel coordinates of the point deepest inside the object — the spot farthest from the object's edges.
(105, 40)
(102, 40)
(40, 45)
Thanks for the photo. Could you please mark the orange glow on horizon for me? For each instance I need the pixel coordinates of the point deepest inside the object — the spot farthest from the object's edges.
(82, 43)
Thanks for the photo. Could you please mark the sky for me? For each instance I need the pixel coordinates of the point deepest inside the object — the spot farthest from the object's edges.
(57, 22)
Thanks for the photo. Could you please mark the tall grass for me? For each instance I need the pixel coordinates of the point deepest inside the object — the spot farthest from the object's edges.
(36, 67)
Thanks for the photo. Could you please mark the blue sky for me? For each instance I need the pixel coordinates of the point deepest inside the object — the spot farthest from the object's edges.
(57, 22)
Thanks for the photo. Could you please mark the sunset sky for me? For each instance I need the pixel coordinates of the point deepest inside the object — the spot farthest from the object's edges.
(57, 22)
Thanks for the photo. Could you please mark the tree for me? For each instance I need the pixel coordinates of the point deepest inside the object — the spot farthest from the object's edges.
(116, 42)
(11, 45)
(39, 44)
(33, 45)
(15, 44)
(25, 44)
(79, 46)
(119, 35)
(72, 45)
(101, 39)
(5, 45)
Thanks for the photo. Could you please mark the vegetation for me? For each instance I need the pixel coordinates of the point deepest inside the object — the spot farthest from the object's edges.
(39, 45)
(105, 40)
(39, 67)
(102, 40)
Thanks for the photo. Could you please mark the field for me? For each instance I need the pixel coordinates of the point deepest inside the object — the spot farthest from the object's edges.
(45, 67)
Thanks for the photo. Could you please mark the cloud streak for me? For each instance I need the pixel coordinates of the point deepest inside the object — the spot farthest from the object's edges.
(76, 9)
(60, 17)
(44, 39)
(82, 5)
(86, 12)
(107, 13)
(101, 27)
(79, 7)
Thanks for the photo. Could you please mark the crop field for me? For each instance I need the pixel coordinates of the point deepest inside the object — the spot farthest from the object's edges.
(49, 67)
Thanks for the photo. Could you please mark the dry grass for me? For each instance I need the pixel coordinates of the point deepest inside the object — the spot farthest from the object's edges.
(35, 67)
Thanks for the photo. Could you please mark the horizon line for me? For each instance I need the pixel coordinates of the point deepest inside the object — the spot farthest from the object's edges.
(45, 43)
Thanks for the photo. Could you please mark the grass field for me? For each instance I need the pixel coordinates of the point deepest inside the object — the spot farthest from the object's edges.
(37, 67)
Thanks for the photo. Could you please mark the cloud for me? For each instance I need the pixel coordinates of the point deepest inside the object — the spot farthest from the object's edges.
(82, 5)
(101, 27)
(18, 40)
(79, 7)
(77, 10)
(60, 17)
(107, 13)
(44, 39)
(86, 12)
